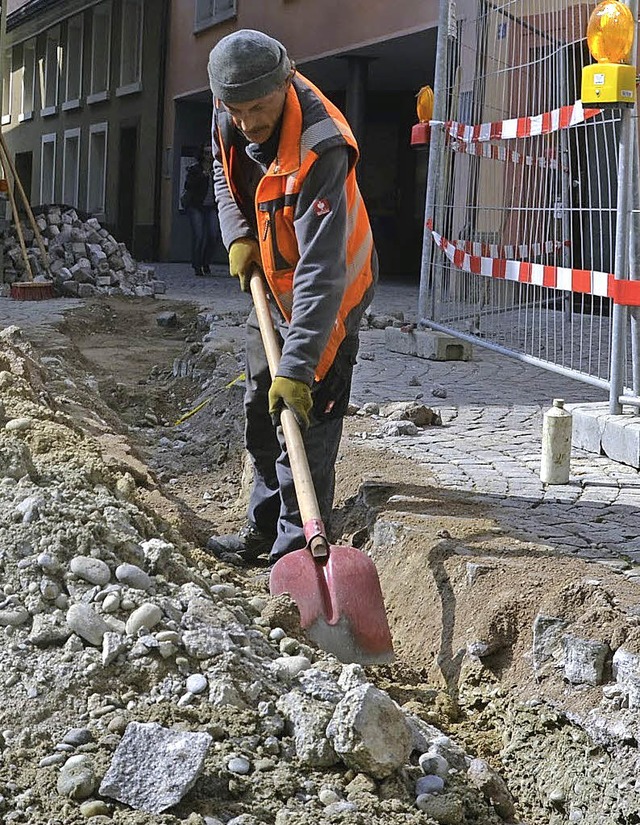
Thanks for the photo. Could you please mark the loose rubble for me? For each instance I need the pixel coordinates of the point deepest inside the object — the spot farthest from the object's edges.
(84, 258)
(136, 680)
(113, 628)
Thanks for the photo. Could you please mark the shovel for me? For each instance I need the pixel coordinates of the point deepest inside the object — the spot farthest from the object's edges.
(335, 587)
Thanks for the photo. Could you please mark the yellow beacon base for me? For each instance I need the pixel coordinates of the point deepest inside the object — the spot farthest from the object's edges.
(609, 84)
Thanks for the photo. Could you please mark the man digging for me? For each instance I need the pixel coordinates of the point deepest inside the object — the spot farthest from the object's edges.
(289, 203)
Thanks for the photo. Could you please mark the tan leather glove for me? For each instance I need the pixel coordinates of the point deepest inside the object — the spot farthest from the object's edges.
(244, 254)
(296, 395)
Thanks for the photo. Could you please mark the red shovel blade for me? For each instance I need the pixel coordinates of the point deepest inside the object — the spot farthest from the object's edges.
(340, 602)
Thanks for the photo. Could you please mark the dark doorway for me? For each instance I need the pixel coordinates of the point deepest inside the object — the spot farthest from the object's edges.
(24, 170)
(127, 185)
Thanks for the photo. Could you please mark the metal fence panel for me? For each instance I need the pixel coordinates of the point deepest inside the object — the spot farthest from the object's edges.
(526, 188)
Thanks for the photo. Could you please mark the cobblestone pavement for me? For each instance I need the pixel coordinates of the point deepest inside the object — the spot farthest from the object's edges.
(489, 444)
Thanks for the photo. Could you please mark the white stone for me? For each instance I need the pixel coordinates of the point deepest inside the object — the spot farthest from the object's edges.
(288, 667)
(94, 571)
(167, 649)
(196, 683)
(328, 796)
(87, 624)
(147, 615)
(18, 424)
(111, 602)
(239, 765)
(133, 576)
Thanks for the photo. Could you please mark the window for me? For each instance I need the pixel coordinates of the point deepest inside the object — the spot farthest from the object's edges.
(48, 169)
(7, 86)
(51, 72)
(71, 167)
(209, 12)
(131, 47)
(100, 50)
(28, 79)
(73, 61)
(97, 168)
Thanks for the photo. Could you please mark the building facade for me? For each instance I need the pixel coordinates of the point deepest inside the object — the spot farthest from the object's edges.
(83, 91)
(369, 56)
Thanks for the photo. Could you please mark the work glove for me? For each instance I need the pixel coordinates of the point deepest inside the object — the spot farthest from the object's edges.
(296, 395)
(244, 254)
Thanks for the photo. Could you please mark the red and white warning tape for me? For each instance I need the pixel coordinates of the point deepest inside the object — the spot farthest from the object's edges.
(493, 152)
(492, 250)
(522, 127)
(586, 281)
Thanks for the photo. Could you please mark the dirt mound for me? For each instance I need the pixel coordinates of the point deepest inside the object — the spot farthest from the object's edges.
(110, 617)
(121, 445)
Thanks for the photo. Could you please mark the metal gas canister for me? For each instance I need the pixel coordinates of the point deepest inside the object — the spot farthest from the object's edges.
(556, 444)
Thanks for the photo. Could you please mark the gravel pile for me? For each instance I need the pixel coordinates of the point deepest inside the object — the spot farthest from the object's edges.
(141, 685)
(84, 258)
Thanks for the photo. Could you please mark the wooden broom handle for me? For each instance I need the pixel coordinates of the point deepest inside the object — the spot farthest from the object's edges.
(18, 225)
(7, 161)
(305, 492)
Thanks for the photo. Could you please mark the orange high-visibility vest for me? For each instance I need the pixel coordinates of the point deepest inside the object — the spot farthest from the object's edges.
(307, 130)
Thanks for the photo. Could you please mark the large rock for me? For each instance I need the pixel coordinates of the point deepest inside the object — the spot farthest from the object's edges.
(308, 720)
(584, 660)
(154, 767)
(370, 733)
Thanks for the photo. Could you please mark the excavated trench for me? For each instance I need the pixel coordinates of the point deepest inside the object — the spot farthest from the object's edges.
(496, 636)
(463, 596)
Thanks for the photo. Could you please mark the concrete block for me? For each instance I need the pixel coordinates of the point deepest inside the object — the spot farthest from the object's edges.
(616, 436)
(588, 425)
(434, 346)
(621, 439)
(585, 660)
(626, 672)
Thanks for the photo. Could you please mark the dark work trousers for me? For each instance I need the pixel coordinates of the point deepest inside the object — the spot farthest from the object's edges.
(205, 234)
(273, 507)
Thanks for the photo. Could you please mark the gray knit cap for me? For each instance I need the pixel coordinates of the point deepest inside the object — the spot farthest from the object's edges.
(246, 65)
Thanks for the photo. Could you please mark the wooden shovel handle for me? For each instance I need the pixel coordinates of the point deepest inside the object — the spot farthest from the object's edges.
(305, 492)
(8, 161)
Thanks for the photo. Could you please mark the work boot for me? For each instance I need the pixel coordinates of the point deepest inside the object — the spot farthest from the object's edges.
(243, 547)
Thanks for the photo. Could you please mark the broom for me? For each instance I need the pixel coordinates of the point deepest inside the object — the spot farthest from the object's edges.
(25, 290)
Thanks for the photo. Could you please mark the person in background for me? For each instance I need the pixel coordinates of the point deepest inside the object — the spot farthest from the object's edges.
(289, 203)
(198, 199)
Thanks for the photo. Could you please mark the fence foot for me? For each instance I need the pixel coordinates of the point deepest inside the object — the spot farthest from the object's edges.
(435, 346)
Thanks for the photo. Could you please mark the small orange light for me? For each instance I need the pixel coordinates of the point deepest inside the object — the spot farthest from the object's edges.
(424, 106)
(4, 185)
(610, 32)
